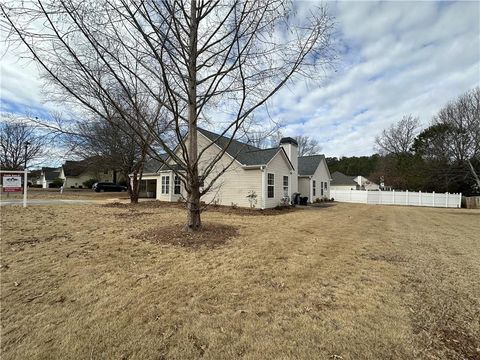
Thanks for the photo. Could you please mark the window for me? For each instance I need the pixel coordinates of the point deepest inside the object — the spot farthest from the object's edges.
(176, 185)
(165, 184)
(285, 186)
(270, 185)
(325, 185)
(321, 188)
(314, 187)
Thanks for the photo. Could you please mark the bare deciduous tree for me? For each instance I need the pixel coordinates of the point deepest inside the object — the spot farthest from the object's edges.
(16, 135)
(460, 120)
(307, 145)
(399, 137)
(121, 150)
(187, 59)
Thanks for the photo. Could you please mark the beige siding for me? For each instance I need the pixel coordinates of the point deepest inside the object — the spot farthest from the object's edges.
(234, 185)
(279, 167)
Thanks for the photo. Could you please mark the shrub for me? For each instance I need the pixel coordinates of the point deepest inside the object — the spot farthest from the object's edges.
(89, 183)
(252, 198)
(56, 183)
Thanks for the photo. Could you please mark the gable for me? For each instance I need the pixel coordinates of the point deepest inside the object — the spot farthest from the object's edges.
(308, 165)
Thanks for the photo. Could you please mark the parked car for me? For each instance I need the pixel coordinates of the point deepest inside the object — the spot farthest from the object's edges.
(107, 186)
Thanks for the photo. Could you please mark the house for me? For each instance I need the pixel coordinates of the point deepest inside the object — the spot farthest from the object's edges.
(262, 178)
(75, 173)
(314, 177)
(365, 184)
(48, 175)
(341, 181)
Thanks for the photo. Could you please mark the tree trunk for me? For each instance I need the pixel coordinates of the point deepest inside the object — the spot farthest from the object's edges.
(134, 188)
(194, 222)
(474, 173)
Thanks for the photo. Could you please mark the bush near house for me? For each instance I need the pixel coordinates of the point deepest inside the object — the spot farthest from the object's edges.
(89, 183)
(56, 183)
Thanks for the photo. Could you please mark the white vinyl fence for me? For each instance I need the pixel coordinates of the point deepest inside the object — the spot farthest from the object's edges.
(398, 198)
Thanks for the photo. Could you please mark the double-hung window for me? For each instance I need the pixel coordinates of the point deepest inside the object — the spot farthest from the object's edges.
(270, 185)
(314, 187)
(166, 184)
(321, 188)
(176, 185)
(285, 186)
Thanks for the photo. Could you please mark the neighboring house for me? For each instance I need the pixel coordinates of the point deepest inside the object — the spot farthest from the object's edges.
(47, 175)
(34, 177)
(341, 181)
(262, 178)
(365, 184)
(75, 173)
(313, 177)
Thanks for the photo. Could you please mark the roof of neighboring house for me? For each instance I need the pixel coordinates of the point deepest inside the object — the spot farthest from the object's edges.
(339, 178)
(307, 165)
(75, 168)
(51, 173)
(244, 153)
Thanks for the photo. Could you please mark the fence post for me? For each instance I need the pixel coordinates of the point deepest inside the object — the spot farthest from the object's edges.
(407, 197)
(433, 199)
(420, 200)
(460, 200)
(350, 195)
(393, 197)
(446, 199)
(380, 198)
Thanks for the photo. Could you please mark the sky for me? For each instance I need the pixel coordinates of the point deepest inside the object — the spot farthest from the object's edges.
(395, 58)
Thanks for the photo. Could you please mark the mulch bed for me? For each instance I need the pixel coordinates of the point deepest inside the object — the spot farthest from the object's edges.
(211, 235)
(214, 208)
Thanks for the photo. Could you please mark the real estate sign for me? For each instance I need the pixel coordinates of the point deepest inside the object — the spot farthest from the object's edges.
(12, 183)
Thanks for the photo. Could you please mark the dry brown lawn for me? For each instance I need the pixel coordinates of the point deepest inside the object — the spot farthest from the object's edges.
(68, 194)
(343, 282)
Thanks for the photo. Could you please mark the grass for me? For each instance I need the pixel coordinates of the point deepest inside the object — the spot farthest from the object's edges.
(68, 194)
(344, 282)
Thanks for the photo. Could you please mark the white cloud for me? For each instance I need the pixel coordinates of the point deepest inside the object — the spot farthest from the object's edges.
(402, 57)
(411, 57)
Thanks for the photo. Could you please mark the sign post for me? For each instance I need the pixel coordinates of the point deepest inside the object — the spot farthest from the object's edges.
(25, 187)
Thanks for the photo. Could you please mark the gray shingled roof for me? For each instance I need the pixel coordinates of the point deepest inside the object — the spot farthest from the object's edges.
(245, 154)
(51, 173)
(307, 165)
(339, 178)
(153, 165)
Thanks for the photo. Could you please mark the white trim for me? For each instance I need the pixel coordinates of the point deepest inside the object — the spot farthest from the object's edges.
(273, 197)
(264, 187)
